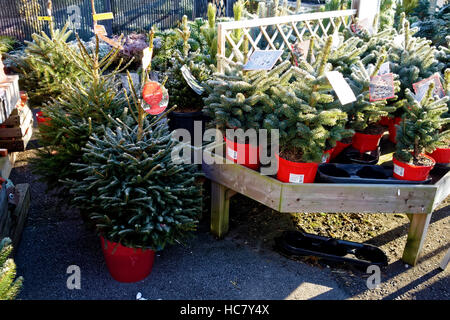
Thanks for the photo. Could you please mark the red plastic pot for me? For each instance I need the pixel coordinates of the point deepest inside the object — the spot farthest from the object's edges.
(127, 264)
(366, 142)
(244, 154)
(441, 155)
(327, 155)
(393, 129)
(385, 121)
(410, 172)
(339, 148)
(296, 172)
(41, 119)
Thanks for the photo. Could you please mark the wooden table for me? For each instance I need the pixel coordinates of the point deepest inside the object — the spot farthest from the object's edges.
(417, 201)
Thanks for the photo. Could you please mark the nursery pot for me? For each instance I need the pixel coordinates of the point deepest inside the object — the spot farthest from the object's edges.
(41, 119)
(327, 155)
(185, 120)
(340, 146)
(127, 264)
(385, 121)
(296, 172)
(366, 142)
(242, 153)
(441, 155)
(393, 129)
(410, 172)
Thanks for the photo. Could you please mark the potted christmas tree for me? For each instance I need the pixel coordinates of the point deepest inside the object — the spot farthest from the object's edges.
(365, 113)
(140, 199)
(419, 132)
(442, 153)
(186, 75)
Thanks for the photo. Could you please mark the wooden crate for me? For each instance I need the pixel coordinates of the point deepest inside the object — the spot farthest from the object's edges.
(16, 131)
(418, 201)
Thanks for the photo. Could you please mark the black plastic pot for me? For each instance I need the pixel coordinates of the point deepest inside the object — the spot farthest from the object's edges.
(356, 173)
(351, 155)
(295, 243)
(185, 120)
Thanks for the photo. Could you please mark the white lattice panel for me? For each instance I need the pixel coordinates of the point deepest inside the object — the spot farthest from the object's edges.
(277, 33)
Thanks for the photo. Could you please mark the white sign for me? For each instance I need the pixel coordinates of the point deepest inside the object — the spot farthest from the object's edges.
(341, 87)
(263, 59)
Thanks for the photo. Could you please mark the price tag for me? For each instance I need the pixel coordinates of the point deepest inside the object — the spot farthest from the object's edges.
(156, 98)
(232, 153)
(103, 16)
(399, 40)
(300, 50)
(263, 59)
(382, 87)
(100, 30)
(45, 18)
(385, 68)
(296, 178)
(341, 87)
(147, 58)
(399, 170)
(336, 40)
(191, 81)
(421, 87)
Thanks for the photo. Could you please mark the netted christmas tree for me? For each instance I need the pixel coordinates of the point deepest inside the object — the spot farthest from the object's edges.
(364, 114)
(9, 284)
(309, 117)
(421, 128)
(80, 110)
(44, 67)
(132, 188)
(181, 94)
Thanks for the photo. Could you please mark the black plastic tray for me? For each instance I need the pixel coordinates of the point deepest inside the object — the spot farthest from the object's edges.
(357, 173)
(296, 243)
(350, 155)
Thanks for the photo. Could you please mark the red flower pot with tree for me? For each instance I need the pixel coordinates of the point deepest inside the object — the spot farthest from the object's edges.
(419, 132)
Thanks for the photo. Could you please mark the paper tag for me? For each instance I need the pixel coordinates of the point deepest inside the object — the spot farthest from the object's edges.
(191, 81)
(421, 87)
(336, 40)
(384, 68)
(296, 178)
(325, 157)
(300, 50)
(156, 98)
(382, 87)
(399, 40)
(232, 154)
(263, 59)
(147, 58)
(45, 18)
(341, 87)
(399, 170)
(103, 16)
(100, 30)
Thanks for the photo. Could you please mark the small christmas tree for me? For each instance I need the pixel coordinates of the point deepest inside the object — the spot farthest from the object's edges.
(45, 67)
(133, 190)
(421, 127)
(181, 94)
(364, 114)
(84, 105)
(9, 284)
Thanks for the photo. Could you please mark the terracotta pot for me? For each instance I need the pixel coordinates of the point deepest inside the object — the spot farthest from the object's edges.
(244, 154)
(441, 155)
(410, 172)
(296, 172)
(127, 264)
(366, 142)
(393, 129)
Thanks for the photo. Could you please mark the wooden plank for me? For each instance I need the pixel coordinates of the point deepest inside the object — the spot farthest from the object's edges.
(20, 214)
(443, 190)
(220, 207)
(17, 132)
(18, 118)
(357, 198)
(416, 238)
(18, 144)
(6, 164)
(445, 261)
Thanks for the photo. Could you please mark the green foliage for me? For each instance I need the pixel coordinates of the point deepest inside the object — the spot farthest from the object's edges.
(79, 111)
(6, 44)
(44, 67)
(435, 27)
(209, 32)
(387, 14)
(133, 190)
(9, 285)
(363, 113)
(181, 95)
(421, 126)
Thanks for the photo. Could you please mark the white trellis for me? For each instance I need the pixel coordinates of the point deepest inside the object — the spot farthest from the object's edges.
(276, 33)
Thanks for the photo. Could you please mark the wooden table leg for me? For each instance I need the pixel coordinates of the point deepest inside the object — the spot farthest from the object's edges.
(416, 237)
(220, 206)
(444, 261)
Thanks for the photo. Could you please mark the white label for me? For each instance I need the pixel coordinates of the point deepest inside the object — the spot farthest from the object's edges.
(399, 40)
(232, 154)
(336, 40)
(147, 58)
(191, 81)
(325, 158)
(263, 59)
(341, 87)
(399, 170)
(384, 68)
(296, 178)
